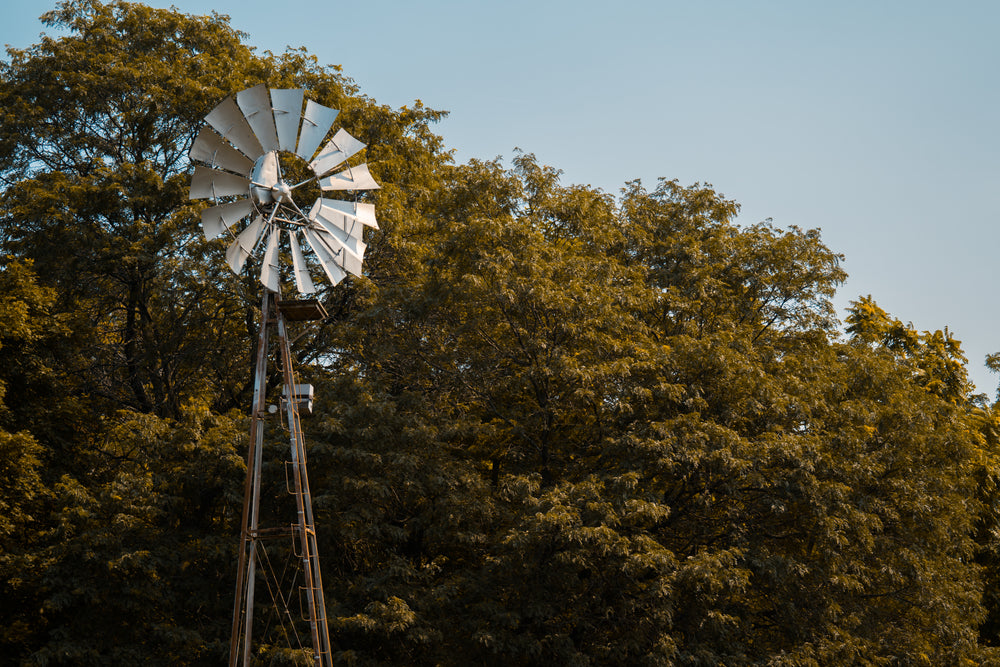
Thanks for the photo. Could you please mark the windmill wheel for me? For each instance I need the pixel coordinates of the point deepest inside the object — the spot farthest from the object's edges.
(244, 143)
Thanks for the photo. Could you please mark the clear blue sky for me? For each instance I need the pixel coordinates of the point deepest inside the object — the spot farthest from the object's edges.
(874, 121)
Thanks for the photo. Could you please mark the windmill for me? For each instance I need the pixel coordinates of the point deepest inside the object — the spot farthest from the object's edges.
(246, 147)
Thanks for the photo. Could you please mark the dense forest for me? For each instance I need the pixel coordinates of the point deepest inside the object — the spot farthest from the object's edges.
(554, 426)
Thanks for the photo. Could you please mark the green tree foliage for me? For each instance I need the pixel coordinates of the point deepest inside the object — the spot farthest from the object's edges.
(93, 153)
(986, 423)
(554, 426)
(685, 463)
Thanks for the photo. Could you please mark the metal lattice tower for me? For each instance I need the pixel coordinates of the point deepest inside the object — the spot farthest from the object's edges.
(274, 316)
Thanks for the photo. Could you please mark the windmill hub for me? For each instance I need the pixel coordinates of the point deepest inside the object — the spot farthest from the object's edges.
(281, 192)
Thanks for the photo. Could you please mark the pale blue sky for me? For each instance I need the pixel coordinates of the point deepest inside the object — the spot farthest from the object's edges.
(875, 121)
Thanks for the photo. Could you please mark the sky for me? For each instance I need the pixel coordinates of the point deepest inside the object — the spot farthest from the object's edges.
(875, 121)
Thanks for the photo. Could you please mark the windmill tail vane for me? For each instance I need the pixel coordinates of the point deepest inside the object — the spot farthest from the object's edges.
(241, 173)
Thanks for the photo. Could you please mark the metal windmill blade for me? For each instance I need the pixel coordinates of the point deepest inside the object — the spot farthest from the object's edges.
(240, 147)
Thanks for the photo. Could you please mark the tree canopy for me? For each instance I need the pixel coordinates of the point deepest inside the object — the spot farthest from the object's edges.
(553, 425)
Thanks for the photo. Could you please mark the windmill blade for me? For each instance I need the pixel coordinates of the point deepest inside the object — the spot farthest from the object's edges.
(250, 237)
(256, 106)
(228, 120)
(360, 211)
(326, 258)
(316, 122)
(353, 178)
(287, 104)
(303, 281)
(240, 249)
(206, 183)
(212, 150)
(336, 151)
(334, 229)
(236, 257)
(332, 218)
(270, 272)
(218, 219)
(353, 244)
(344, 248)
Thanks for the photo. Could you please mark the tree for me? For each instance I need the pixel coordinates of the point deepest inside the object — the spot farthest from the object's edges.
(26, 327)
(654, 446)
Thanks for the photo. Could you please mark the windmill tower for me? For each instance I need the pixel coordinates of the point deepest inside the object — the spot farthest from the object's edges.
(249, 147)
